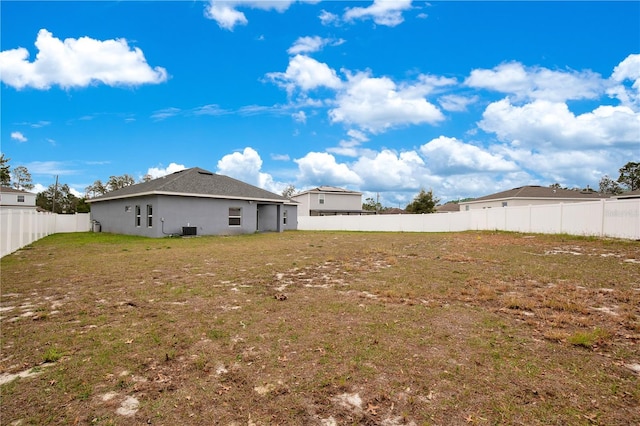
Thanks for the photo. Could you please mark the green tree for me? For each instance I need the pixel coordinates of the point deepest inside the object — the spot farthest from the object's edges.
(630, 175)
(372, 205)
(65, 201)
(289, 191)
(119, 182)
(5, 174)
(609, 186)
(424, 202)
(22, 178)
(96, 189)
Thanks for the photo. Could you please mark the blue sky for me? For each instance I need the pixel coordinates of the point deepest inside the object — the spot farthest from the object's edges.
(384, 97)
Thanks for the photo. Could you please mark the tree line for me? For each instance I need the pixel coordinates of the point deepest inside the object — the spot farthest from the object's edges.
(58, 197)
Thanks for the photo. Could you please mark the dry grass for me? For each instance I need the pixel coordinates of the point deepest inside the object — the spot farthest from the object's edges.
(322, 328)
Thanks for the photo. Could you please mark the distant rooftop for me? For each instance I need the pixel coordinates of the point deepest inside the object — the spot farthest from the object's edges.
(533, 191)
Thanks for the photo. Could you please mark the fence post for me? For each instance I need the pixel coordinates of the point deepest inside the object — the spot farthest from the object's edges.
(561, 215)
(602, 221)
(9, 230)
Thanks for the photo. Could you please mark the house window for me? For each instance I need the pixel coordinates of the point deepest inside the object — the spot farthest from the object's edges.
(235, 216)
(127, 209)
(320, 198)
(149, 215)
(284, 217)
(466, 208)
(21, 198)
(138, 216)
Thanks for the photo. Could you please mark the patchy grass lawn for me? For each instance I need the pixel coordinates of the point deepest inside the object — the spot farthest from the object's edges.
(321, 328)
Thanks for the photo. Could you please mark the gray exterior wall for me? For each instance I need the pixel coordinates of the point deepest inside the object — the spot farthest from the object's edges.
(210, 216)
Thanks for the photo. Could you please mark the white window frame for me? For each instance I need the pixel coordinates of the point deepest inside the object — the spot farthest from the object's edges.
(138, 217)
(149, 215)
(235, 215)
(321, 199)
(284, 217)
(21, 198)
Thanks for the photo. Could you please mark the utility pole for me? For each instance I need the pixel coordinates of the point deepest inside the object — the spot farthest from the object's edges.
(55, 193)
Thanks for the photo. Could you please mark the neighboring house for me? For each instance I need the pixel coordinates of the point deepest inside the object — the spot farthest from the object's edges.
(531, 195)
(448, 208)
(627, 195)
(16, 199)
(329, 201)
(192, 202)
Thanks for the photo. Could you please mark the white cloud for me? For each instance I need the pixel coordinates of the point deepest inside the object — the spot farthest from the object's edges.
(308, 45)
(321, 168)
(307, 74)
(18, 136)
(328, 18)
(537, 83)
(211, 109)
(377, 104)
(245, 166)
(627, 70)
(156, 172)
(304, 45)
(388, 171)
(49, 168)
(165, 113)
(456, 102)
(449, 156)
(227, 16)
(383, 12)
(77, 63)
(544, 125)
(350, 147)
(280, 157)
(299, 116)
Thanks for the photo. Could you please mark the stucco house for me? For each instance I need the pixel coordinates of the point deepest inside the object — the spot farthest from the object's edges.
(530, 195)
(11, 198)
(328, 201)
(192, 202)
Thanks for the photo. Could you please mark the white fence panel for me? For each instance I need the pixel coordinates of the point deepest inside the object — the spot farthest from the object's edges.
(20, 227)
(518, 219)
(73, 222)
(612, 218)
(621, 219)
(546, 219)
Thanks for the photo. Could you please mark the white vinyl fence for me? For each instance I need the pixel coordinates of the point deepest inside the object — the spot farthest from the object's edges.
(610, 218)
(19, 227)
(605, 218)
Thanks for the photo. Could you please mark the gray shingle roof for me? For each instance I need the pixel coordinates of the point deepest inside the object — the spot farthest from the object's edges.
(8, 189)
(540, 192)
(327, 189)
(195, 182)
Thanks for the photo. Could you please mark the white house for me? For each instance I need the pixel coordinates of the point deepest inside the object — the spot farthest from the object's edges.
(328, 201)
(530, 196)
(11, 198)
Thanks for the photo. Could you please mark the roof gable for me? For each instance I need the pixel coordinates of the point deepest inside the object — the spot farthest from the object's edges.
(194, 182)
